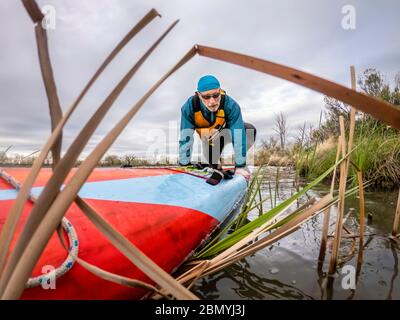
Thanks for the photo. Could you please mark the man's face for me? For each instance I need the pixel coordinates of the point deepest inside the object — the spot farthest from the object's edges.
(211, 99)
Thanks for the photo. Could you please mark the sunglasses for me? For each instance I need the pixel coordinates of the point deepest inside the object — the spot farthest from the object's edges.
(209, 96)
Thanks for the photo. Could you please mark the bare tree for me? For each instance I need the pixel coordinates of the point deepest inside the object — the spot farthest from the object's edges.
(3, 157)
(111, 160)
(281, 129)
(129, 160)
(301, 139)
(397, 80)
(269, 144)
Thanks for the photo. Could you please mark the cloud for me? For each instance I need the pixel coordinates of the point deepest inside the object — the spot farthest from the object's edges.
(303, 34)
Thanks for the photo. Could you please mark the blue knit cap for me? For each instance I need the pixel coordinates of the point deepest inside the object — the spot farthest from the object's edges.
(208, 82)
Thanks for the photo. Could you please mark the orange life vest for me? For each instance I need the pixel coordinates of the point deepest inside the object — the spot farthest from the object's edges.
(202, 126)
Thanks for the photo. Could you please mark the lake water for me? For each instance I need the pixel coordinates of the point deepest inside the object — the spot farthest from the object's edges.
(288, 269)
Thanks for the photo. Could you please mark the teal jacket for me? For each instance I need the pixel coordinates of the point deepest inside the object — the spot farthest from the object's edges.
(234, 122)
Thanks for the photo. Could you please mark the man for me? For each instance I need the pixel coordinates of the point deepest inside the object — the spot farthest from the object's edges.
(218, 120)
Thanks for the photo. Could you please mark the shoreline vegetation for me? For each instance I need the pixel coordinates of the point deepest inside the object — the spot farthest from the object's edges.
(313, 150)
(377, 152)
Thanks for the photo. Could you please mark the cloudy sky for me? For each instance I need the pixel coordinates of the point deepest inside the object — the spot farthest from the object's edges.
(304, 34)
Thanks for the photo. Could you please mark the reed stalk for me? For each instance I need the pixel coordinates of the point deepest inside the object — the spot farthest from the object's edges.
(342, 190)
(396, 222)
(325, 225)
(260, 201)
(68, 194)
(362, 215)
(250, 246)
(276, 186)
(384, 111)
(16, 210)
(270, 194)
(264, 219)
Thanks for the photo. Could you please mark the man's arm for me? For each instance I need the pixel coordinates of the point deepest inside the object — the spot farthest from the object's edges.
(186, 134)
(238, 133)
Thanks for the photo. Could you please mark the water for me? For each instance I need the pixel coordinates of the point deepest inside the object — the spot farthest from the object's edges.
(288, 269)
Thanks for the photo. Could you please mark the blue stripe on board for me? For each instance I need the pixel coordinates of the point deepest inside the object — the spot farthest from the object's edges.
(181, 190)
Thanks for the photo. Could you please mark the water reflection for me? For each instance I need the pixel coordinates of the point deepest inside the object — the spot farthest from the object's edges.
(395, 268)
(247, 285)
(296, 256)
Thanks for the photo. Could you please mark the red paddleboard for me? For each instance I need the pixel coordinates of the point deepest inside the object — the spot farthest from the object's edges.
(163, 212)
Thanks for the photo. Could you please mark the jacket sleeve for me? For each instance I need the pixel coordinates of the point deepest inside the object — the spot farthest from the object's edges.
(236, 125)
(186, 133)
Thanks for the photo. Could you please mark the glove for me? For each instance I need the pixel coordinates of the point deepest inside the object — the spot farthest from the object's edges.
(228, 174)
(215, 178)
(218, 175)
